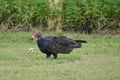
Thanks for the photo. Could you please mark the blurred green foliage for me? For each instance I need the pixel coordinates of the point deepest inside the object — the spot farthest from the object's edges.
(77, 15)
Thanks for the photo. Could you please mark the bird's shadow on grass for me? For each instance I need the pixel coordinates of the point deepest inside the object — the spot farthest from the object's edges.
(64, 59)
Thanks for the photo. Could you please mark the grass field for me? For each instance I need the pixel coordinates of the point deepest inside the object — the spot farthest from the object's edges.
(99, 59)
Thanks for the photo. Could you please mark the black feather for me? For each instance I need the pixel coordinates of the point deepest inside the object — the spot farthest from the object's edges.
(55, 45)
(81, 41)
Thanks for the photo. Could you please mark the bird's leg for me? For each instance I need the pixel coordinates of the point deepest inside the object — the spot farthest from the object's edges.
(55, 55)
(48, 55)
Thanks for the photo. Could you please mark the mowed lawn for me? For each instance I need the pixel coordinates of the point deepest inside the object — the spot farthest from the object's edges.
(99, 59)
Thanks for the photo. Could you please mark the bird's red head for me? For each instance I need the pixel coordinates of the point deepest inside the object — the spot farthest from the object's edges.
(37, 35)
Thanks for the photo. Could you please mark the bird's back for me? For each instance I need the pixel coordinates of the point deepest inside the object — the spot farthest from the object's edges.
(59, 44)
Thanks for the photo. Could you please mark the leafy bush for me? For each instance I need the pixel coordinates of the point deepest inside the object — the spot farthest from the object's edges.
(91, 14)
(23, 14)
(77, 15)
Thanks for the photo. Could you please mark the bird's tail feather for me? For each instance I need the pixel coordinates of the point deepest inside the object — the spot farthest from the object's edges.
(81, 41)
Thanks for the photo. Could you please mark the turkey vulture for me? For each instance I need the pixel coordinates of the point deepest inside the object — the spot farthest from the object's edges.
(57, 44)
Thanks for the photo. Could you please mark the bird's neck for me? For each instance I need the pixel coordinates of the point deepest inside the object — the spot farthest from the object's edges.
(39, 38)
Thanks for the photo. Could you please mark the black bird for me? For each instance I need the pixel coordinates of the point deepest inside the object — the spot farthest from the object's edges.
(58, 44)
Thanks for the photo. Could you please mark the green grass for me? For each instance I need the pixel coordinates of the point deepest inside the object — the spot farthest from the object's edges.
(99, 59)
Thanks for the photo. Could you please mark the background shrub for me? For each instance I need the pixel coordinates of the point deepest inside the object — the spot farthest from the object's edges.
(77, 15)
